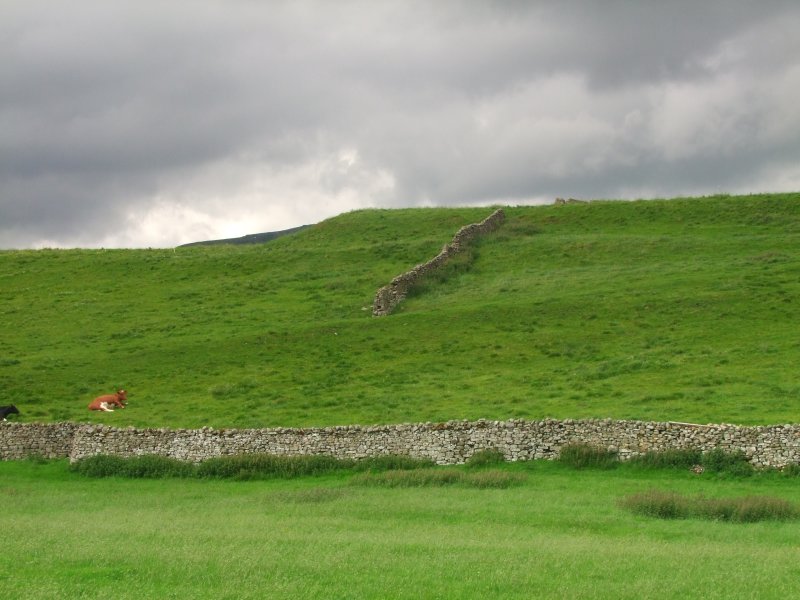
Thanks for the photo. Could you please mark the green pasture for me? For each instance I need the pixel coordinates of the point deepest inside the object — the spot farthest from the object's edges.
(560, 533)
(682, 309)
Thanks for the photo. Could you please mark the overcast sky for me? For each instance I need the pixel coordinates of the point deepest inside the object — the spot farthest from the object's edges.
(138, 123)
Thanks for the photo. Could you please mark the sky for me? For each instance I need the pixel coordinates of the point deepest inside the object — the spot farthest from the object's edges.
(138, 123)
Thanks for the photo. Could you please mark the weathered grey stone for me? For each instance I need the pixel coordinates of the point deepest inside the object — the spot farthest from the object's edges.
(444, 443)
(389, 296)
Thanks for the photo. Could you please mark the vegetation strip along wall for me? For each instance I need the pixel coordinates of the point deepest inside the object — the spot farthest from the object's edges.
(452, 442)
(389, 296)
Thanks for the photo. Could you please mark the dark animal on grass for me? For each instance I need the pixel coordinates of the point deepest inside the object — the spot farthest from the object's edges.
(105, 403)
(8, 410)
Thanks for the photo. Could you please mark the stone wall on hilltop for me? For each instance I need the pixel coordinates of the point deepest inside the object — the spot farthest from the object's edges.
(389, 296)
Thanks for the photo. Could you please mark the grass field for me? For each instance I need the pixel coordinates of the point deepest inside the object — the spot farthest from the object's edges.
(560, 534)
(685, 310)
(680, 310)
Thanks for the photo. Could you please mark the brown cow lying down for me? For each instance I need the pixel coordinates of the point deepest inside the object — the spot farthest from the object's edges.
(106, 402)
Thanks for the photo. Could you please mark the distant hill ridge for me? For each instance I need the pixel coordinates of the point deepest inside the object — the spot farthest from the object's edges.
(252, 238)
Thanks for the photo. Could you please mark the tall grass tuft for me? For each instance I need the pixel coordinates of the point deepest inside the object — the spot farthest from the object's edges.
(147, 466)
(439, 478)
(489, 457)
(152, 466)
(412, 478)
(657, 503)
(586, 456)
(100, 465)
(240, 466)
(668, 459)
(716, 461)
(263, 466)
(392, 462)
(791, 470)
(727, 463)
(749, 509)
(493, 479)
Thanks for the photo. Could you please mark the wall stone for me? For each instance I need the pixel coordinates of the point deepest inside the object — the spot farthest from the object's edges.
(21, 440)
(444, 443)
(389, 296)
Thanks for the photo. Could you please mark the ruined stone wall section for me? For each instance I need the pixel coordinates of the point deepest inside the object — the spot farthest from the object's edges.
(389, 296)
(444, 443)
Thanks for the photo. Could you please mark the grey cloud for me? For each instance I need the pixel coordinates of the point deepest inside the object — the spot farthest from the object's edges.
(229, 110)
(624, 43)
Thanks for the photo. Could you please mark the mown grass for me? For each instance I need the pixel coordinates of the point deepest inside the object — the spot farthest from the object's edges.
(683, 310)
(558, 533)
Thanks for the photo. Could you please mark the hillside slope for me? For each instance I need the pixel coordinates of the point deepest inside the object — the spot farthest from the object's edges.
(684, 310)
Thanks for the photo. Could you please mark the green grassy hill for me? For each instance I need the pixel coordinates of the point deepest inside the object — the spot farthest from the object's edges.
(684, 310)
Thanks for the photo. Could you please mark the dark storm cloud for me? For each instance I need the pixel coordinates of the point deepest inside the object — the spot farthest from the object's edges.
(623, 43)
(160, 123)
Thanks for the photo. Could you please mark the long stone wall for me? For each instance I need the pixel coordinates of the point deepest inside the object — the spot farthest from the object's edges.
(389, 296)
(445, 443)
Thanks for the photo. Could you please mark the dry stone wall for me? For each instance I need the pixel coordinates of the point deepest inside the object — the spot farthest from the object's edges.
(21, 440)
(389, 296)
(444, 443)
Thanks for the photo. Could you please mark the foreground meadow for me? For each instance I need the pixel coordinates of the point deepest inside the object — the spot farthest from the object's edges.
(559, 534)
